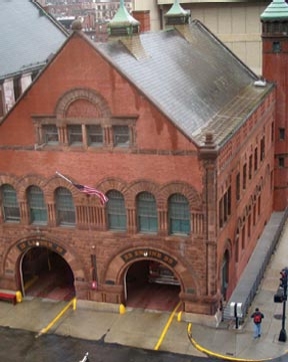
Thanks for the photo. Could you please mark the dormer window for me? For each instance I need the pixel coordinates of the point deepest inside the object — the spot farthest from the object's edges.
(93, 129)
(115, 133)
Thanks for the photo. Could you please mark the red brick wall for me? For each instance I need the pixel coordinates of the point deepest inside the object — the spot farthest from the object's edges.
(275, 69)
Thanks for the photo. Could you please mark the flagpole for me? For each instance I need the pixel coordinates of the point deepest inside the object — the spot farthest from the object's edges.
(62, 176)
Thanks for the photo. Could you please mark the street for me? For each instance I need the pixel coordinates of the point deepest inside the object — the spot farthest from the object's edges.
(21, 346)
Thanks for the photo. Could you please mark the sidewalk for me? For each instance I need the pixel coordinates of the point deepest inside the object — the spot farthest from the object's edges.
(240, 343)
(142, 329)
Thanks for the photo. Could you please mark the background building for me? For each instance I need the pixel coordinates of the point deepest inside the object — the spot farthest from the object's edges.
(23, 55)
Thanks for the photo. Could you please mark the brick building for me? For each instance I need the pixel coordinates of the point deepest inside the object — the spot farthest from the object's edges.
(179, 135)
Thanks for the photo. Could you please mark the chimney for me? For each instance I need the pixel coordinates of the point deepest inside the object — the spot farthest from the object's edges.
(143, 16)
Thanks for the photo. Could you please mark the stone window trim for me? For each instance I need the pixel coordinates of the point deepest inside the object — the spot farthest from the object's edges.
(62, 124)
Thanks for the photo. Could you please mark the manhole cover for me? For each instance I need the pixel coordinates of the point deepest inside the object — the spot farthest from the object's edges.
(278, 316)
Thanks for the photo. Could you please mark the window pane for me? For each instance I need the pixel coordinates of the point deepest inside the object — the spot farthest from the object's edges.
(121, 136)
(38, 210)
(75, 134)
(64, 207)
(179, 214)
(50, 134)
(116, 211)
(147, 213)
(10, 204)
(95, 135)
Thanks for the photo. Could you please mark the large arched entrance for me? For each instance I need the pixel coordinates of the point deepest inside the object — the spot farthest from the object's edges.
(45, 274)
(150, 284)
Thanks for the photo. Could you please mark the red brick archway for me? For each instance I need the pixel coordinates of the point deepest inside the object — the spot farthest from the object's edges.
(12, 257)
(118, 266)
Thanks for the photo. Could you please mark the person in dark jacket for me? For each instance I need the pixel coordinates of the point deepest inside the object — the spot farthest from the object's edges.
(257, 320)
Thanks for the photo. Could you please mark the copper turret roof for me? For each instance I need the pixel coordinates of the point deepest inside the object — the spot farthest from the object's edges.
(277, 10)
(123, 23)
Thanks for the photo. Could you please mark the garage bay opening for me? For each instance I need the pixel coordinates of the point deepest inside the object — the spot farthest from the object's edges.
(151, 285)
(46, 274)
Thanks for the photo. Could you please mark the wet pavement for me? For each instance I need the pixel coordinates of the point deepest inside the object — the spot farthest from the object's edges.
(21, 346)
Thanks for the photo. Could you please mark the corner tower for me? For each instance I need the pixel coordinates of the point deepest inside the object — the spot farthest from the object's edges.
(275, 68)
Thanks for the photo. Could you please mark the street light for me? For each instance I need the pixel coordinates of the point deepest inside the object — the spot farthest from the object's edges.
(283, 284)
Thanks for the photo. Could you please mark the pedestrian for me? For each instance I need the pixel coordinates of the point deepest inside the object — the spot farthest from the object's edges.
(257, 320)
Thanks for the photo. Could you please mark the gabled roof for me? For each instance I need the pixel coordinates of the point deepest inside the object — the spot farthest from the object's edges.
(191, 77)
(28, 36)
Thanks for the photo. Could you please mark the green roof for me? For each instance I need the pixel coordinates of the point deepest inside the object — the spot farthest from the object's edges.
(176, 9)
(122, 18)
(277, 10)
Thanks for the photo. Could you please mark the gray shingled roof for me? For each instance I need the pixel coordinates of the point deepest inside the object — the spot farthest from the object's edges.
(28, 36)
(192, 77)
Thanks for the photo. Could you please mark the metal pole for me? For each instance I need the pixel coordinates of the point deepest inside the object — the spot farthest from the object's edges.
(283, 335)
(236, 316)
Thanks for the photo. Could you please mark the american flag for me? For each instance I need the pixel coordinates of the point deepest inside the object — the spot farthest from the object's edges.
(86, 189)
(91, 191)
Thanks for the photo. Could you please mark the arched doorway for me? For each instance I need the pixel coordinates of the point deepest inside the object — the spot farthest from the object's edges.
(46, 274)
(150, 284)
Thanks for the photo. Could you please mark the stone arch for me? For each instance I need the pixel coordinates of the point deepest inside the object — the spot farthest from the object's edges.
(15, 250)
(142, 186)
(30, 180)
(9, 180)
(117, 266)
(183, 188)
(56, 182)
(91, 96)
(113, 184)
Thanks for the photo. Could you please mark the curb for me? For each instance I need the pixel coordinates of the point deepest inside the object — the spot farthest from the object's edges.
(218, 355)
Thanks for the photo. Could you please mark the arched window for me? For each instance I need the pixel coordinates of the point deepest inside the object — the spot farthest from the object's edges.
(10, 204)
(65, 209)
(37, 206)
(225, 274)
(147, 213)
(179, 215)
(116, 212)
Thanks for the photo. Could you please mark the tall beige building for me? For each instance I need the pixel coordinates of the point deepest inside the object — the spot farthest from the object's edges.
(235, 22)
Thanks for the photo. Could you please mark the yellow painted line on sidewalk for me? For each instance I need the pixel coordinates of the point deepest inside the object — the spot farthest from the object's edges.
(218, 355)
(64, 310)
(163, 334)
